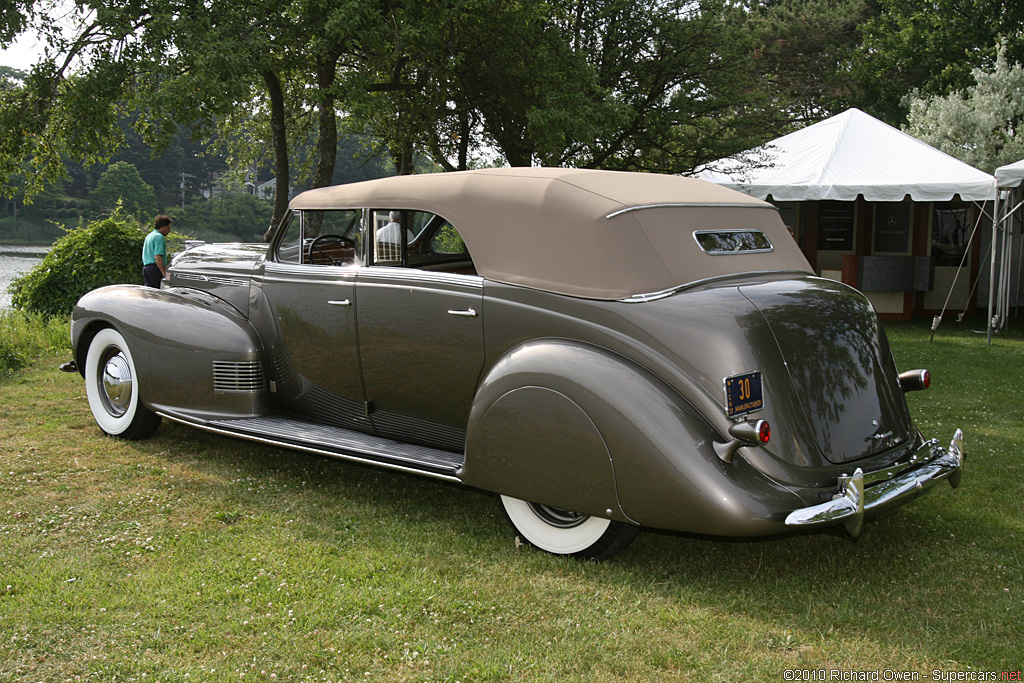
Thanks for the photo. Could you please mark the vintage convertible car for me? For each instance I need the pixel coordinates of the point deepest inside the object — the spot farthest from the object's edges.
(603, 350)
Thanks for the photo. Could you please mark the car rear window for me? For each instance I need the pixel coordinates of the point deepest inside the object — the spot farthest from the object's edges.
(719, 242)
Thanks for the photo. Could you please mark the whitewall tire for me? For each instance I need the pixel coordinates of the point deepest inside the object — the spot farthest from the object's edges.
(112, 387)
(562, 532)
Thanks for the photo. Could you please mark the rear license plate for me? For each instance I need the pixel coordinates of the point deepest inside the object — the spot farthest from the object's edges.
(743, 394)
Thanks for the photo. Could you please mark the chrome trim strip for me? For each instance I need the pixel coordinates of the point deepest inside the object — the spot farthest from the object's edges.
(630, 209)
(280, 267)
(232, 282)
(665, 293)
(309, 449)
(855, 498)
(374, 275)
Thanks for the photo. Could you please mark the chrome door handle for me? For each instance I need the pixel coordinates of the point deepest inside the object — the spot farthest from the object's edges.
(343, 302)
(469, 313)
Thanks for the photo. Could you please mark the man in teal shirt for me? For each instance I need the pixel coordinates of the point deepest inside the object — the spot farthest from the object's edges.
(154, 252)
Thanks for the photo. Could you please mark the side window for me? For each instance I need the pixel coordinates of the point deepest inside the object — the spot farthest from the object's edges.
(447, 240)
(327, 238)
(418, 239)
(289, 248)
(396, 234)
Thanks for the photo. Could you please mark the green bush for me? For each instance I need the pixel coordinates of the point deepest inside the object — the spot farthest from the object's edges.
(102, 253)
(24, 336)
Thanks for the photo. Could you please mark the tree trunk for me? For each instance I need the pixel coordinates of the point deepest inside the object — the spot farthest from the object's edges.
(280, 141)
(465, 130)
(401, 155)
(327, 144)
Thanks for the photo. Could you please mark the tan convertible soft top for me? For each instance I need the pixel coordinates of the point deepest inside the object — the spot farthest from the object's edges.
(593, 234)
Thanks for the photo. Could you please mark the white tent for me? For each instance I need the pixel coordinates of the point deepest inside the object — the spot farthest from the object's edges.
(848, 155)
(1011, 175)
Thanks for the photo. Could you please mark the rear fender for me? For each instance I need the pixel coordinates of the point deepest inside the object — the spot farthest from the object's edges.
(578, 427)
(175, 336)
(554, 420)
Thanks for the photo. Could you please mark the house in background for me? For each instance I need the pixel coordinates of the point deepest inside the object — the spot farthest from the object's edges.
(877, 209)
(262, 189)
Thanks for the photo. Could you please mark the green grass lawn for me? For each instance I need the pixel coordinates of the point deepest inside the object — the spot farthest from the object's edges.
(191, 557)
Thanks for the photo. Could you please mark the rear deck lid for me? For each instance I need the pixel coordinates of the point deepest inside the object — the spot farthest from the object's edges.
(839, 362)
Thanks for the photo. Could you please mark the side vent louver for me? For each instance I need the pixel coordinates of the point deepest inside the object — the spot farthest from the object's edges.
(238, 376)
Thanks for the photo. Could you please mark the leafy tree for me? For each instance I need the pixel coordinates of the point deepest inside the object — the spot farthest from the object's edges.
(801, 51)
(356, 159)
(930, 46)
(104, 252)
(72, 103)
(651, 85)
(14, 16)
(675, 83)
(236, 216)
(658, 85)
(69, 104)
(51, 204)
(267, 74)
(11, 77)
(122, 184)
(235, 57)
(980, 125)
(181, 170)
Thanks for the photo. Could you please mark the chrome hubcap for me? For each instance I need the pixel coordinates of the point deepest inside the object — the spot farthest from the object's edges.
(557, 517)
(117, 384)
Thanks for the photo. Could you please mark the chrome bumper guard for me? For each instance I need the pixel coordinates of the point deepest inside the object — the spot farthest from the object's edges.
(861, 493)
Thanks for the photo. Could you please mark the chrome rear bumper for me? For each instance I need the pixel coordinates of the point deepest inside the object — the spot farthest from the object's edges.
(875, 491)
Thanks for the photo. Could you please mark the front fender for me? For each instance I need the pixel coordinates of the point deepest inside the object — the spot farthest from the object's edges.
(176, 335)
(578, 427)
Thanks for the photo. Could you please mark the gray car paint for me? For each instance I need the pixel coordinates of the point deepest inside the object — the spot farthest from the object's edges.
(609, 408)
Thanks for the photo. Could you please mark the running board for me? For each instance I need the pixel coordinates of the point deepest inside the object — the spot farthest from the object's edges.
(335, 442)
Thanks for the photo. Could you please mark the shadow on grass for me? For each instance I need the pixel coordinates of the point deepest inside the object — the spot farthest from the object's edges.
(914, 581)
(938, 579)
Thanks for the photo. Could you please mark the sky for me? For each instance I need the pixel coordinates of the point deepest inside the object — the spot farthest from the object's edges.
(28, 47)
(22, 54)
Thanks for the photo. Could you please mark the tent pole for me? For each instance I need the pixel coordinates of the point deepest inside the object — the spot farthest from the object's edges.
(1001, 286)
(1020, 259)
(1008, 227)
(992, 268)
(1007, 269)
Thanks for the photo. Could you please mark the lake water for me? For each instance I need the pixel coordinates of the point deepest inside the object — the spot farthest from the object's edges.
(15, 260)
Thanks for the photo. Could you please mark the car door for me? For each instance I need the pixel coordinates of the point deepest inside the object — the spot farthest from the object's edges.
(420, 329)
(309, 284)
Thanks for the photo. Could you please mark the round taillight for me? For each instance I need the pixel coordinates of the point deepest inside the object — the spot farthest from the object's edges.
(915, 380)
(764, 432)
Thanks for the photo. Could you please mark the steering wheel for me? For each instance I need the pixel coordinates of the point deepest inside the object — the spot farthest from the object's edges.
(322, 241)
